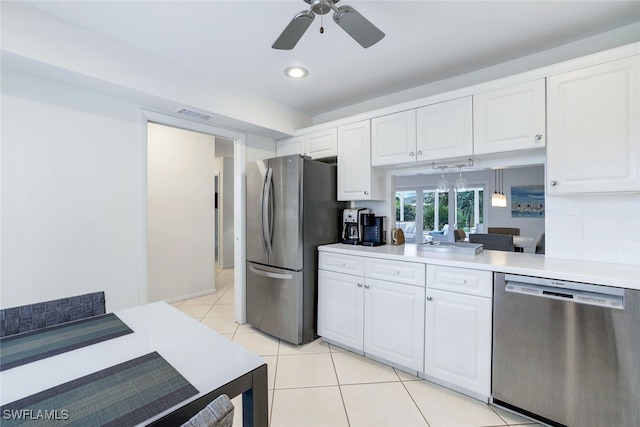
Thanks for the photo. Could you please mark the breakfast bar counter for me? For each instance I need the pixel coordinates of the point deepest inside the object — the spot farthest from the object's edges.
(617, 275)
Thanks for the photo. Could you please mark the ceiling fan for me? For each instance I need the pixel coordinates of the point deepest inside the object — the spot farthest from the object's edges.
(349, 19)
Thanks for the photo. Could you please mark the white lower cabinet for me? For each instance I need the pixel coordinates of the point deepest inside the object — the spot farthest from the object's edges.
(458, 340)
(382, 309)
(458, 322)
(378, 318)
(393, 322)
(341, 308)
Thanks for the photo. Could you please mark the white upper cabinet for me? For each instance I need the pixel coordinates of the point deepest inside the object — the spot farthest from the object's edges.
(287, 146)
(393, 139)
(317, 145)
(356, 179)
(445, 130)
(594, 126)
(509, 119)
(321, 144)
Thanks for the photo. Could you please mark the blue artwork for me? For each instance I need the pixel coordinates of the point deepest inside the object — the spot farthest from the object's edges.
(527, 202)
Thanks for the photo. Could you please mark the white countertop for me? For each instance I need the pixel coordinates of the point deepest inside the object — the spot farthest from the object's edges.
(617, 275)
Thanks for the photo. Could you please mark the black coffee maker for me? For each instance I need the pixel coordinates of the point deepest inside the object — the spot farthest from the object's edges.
(374, 230)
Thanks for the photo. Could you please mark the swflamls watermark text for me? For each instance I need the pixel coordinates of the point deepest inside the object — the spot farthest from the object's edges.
(33, 414)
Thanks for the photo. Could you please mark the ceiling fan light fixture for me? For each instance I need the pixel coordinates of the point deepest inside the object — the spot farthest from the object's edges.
(296, 72)
(347, 18)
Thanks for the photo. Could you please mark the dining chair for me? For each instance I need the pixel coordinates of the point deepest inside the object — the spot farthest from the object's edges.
(218, 413)
(459, 235)
(30, 317)
(497, 242)
(504, 230)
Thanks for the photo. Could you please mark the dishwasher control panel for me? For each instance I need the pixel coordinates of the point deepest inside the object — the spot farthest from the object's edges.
(582, 294)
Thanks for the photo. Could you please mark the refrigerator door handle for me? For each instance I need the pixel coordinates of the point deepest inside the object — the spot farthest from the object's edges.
(270, 274)
(266, 210)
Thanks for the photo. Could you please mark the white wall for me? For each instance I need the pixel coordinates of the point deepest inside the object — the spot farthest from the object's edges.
(601, 228)
(180, 213)
(72, 174)
(71, 221)
(501, 217)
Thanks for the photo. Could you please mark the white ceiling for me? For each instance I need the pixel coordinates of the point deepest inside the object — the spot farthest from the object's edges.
(426, 41)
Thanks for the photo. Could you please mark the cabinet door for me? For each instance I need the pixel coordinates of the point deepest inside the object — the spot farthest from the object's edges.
(594, 128)
(458, 340)
(341, 308)
(509, 119)
(394, 322)
(445, 130)
(287, 146)
(322, 144)
(393, 138)
(356, 180)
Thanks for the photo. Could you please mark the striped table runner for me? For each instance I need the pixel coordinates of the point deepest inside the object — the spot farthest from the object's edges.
(16, 350)
(122, 395)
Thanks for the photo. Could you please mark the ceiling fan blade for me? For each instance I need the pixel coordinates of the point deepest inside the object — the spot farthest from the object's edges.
(357, 26)
(294, 31)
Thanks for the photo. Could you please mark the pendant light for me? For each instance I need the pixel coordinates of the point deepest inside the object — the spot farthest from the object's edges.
(442, 186)
(461, 183)
(498, 199)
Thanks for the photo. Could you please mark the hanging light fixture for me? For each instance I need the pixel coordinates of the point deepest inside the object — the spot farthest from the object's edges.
(461, 183)
(442, 186)
(498, 199)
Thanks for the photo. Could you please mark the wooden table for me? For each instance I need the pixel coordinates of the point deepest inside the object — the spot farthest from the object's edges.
(210, 362)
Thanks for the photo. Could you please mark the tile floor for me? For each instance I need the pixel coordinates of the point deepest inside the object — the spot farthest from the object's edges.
(318, 384)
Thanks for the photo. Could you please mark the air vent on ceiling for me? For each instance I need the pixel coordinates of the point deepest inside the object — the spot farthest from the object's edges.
(194, 114)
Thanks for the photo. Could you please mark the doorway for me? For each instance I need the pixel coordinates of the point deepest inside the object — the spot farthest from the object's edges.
(237, 144)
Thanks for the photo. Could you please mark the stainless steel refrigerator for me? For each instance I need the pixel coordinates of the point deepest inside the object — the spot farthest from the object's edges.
(291, 209)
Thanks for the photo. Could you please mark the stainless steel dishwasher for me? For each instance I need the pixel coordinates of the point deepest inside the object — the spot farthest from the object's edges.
(566, 353)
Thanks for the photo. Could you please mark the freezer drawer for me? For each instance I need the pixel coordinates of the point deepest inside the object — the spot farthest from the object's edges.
(275, 301)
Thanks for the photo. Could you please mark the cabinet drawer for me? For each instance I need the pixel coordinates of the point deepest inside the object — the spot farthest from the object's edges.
(461, 280)
(411, 273)
(341, 263)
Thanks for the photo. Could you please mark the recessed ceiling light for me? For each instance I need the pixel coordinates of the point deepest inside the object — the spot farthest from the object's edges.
(296, 72)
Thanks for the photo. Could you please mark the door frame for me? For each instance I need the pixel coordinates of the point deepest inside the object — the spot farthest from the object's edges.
(240, 145)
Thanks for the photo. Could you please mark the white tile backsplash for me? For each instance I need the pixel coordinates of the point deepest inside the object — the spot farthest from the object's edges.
(599, 228)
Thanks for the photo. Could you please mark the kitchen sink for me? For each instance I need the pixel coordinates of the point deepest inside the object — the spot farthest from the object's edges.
(461, 248)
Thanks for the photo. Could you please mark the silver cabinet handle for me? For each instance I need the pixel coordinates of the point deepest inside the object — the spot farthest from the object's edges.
(411, 153)
(429, 298)
(554, 183)
(419, 152)
(366, 286)
(366, 192)
(359, 285)
(538, 138)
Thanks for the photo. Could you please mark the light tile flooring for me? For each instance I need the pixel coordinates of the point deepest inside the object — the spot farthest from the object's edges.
(318, 384)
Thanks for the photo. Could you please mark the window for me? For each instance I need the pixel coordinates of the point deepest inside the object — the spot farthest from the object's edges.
(422, 221)
(469, 209)
(406, 214)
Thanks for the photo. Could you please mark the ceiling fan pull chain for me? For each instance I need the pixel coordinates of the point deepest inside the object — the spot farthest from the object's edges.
(321, 18)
